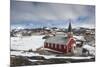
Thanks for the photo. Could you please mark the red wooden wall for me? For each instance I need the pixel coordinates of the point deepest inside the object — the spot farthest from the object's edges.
(60, 47)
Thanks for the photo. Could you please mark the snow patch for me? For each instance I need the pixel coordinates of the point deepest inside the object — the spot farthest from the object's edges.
(26, 43)
(29, 54)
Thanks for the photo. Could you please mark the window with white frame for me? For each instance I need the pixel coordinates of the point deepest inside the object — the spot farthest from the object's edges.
(59, 46)
(47, 44)
(55, 45)
(51, 45)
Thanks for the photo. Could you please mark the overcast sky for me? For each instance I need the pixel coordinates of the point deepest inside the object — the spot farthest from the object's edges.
(36, 14)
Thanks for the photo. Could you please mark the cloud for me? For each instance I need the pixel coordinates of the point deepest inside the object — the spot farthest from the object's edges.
(47, 12)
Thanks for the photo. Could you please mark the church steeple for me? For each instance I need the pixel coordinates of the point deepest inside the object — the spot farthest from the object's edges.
(70, 27)
(70, 33)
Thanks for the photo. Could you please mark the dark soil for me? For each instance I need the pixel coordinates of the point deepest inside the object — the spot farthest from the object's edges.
(24, 61)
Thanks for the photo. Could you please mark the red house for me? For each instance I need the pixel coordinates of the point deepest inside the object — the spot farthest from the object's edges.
(62, 43)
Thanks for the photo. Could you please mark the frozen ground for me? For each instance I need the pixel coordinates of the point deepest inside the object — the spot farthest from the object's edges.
(31, 58)
(29, 54)
(29, 42)
(26, 43)
(21, 45)
(33, 42)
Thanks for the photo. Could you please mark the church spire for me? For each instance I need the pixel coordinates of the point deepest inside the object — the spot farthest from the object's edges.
(70, 33)
(70, 27)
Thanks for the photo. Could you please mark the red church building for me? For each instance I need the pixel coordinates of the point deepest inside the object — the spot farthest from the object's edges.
(61, 44)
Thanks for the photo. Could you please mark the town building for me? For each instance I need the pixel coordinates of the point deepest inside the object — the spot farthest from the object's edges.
(61, 43)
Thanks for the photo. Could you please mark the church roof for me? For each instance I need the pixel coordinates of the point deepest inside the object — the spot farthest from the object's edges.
(57, 40)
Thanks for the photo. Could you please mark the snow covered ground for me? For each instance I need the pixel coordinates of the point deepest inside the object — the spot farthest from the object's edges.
(21, 45)
(31, 42)
(27, 42)
(29, 54)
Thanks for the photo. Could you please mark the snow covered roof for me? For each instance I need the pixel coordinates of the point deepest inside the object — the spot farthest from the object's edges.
(79, 38)
(57, 40)
(88, 47)
(60, 33)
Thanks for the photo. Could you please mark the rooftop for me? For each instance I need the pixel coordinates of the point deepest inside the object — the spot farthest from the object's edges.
(62, 39)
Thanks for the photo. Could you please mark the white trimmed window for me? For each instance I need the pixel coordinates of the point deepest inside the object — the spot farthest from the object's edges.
(59, 46)
(55, 45)
(51, 45)
(47, 44)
